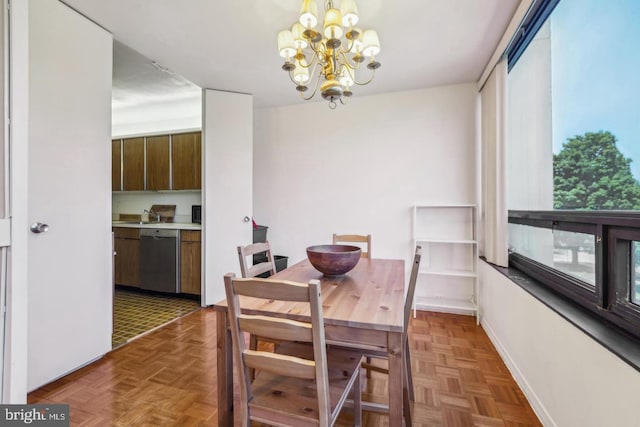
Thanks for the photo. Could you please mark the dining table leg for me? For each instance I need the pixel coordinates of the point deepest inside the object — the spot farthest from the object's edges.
(224, 370)
(396, 376)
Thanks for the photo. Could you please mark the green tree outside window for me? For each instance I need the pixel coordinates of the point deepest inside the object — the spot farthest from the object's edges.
(590, 173)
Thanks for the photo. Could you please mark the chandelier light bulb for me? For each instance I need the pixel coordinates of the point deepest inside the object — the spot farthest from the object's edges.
(357, 43)
(298, 39)
(301, 73)
(370, 43)
(349, 13)
(309, 14)
(285, 44)
(333, 24)
(345, 78)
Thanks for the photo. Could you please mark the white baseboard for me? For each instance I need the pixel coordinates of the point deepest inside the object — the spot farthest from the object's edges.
(522, 382)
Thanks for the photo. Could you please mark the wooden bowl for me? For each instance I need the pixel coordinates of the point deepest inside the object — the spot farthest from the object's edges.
(333, 260)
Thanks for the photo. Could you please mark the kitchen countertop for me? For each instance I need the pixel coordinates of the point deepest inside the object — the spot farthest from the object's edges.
(168, 225)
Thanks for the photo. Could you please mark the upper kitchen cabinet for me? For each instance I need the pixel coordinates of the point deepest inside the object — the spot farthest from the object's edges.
(116, 165)
(187, 161)
(133, 164)
(158, 163)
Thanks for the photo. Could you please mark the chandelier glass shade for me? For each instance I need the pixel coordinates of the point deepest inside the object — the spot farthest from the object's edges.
(328, 57)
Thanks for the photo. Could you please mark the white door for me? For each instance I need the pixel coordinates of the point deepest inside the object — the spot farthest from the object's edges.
(69, 287)
(227, 185)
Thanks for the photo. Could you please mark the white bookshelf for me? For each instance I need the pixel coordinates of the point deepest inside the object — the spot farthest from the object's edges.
(448, 279)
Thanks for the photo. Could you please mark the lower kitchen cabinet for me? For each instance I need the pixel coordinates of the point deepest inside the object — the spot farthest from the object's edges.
(127, 259)
(190, 261)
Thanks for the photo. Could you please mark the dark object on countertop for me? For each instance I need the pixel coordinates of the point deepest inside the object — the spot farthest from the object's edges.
(196, 214)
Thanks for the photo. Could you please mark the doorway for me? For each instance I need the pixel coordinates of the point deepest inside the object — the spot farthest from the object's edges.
(156, 128)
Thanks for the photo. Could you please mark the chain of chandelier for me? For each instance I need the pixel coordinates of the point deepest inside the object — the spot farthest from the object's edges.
(323, 55)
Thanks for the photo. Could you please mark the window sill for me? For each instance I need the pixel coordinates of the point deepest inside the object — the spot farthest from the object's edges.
(620, 343)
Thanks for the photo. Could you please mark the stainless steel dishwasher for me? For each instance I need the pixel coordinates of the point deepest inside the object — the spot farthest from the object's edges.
(160, 260)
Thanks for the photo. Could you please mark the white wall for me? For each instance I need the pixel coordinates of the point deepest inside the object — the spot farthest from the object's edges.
(137, 202)
(569, 379)
(158, 115)
(359, 168)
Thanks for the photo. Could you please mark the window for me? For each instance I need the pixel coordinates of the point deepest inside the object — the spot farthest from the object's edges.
(573, 161)
(634, 264)
(570, 252)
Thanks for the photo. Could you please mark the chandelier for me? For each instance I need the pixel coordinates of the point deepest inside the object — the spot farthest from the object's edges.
(323, 55)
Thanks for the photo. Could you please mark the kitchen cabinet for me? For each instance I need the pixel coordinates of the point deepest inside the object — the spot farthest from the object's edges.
(127, 260)
(190, 261)
(155, 163)
(157, 158)
(116, 165)
(133, 164)
(186, 157)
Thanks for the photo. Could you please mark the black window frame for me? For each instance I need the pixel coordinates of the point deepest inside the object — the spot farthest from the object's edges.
(613, 231)
(621, 260)
(537, 14)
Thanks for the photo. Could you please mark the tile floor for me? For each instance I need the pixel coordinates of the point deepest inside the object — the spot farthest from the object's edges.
(136, 313)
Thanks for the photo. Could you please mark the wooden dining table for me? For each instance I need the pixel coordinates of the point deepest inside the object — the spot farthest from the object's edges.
(362, 309)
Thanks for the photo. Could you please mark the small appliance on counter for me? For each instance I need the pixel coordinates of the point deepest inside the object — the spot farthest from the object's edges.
(196, 214)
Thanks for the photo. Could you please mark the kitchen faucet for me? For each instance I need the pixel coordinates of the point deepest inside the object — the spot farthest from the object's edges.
(151, 212)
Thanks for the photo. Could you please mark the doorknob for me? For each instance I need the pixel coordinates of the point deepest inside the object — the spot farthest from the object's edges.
(247, 219)
(39, 227)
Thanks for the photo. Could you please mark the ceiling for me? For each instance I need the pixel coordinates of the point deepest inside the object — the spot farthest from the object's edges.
(231, 45)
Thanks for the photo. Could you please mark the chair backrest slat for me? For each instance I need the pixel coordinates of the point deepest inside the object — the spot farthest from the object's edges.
(280, 364)
(355, 238)
(280, 329)
(247, 270)
(281, 290)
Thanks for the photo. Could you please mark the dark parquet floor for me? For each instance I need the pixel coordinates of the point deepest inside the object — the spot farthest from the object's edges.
(167, 378)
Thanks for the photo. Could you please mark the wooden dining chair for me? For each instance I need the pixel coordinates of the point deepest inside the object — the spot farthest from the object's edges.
(354, 238)
(408, 305)
(303, 383)
(266, 266)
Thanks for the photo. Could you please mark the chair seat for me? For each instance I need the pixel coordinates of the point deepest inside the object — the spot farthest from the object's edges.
(297, 398)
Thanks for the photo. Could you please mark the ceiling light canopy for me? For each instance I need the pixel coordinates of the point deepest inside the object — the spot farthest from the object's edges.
(328, 57)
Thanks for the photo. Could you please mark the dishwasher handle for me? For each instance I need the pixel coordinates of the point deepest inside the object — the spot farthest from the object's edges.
(158, 233)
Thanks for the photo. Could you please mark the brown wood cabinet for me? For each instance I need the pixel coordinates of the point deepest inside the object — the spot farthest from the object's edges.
(186, 156)
(133, 164)
(190, 261)
(158, 163)
(116, 165)
(171, 162)
(127, 259)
